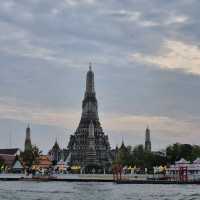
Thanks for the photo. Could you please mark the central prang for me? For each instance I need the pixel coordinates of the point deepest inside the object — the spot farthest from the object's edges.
(89, 147)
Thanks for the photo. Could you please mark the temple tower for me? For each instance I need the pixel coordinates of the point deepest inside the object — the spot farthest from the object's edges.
(89, 104)
(147, 140)
(91, 157)
(27, 145)
(89, 144)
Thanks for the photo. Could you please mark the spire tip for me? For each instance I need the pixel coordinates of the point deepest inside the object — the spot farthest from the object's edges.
(90, 66)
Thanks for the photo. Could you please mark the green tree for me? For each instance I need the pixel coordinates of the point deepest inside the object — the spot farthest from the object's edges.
(126, 155)
(173, 152)
(31, 156)
(195, 152)
(177, 151)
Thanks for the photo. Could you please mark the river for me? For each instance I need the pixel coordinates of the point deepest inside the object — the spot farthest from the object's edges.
(29, 190)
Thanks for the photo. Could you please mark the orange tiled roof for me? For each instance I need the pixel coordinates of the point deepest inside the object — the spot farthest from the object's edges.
(44, 162)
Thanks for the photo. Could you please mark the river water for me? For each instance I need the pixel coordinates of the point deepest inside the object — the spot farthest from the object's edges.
(95, 191)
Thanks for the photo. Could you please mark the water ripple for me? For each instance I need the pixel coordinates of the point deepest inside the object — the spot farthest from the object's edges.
(95, 191)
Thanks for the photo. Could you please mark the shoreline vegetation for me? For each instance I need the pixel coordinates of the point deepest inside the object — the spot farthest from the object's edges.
(137, 156)
(144, 162)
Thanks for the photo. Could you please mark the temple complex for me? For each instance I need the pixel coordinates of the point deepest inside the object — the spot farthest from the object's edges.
(89, 147)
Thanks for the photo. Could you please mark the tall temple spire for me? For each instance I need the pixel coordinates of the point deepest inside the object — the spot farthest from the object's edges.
(147, 140)
(90, 66)
(89, 104)
(27, 145)
(90, 82)
(89, 146)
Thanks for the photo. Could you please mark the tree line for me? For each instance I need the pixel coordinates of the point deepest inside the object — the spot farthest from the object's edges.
(137, 156)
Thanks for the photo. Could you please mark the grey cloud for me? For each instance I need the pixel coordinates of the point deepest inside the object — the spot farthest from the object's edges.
(45, 47)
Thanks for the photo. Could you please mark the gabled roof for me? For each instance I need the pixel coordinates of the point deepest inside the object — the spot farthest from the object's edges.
(8, 159)
(182, 161)
(56, 146)
(197, 161)
(11, 151)
(17, 165)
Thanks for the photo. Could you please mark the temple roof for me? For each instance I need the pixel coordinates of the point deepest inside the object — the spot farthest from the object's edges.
(56, 146)
(182, 161)
(44, 162)
(11, 151)
(8, 159)
(197, 161)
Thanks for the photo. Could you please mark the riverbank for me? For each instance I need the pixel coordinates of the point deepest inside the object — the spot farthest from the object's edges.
(91, 178)
(59, 177)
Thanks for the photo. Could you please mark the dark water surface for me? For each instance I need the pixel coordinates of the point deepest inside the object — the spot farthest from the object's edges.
(95, 191)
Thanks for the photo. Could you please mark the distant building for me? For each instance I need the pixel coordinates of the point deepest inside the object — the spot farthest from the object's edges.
(55, 153)
(192, 169)
(28, 145)
(147, 140)
(123, 146)
(89, 146)
(9, 160)
(121, 152)
(10, 163)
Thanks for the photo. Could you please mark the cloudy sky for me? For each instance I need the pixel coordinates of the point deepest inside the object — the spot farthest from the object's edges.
(146, 59)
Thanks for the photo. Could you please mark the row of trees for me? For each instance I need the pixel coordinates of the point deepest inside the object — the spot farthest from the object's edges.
(127, 155)
(187, 151)
(137, 156)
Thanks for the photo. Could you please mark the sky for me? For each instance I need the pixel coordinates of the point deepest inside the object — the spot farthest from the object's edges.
(145, 56)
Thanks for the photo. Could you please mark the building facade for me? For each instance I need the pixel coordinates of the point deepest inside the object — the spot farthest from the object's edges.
(89, 146)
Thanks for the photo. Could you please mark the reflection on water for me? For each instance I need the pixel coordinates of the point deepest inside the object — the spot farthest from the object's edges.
(95, 191)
